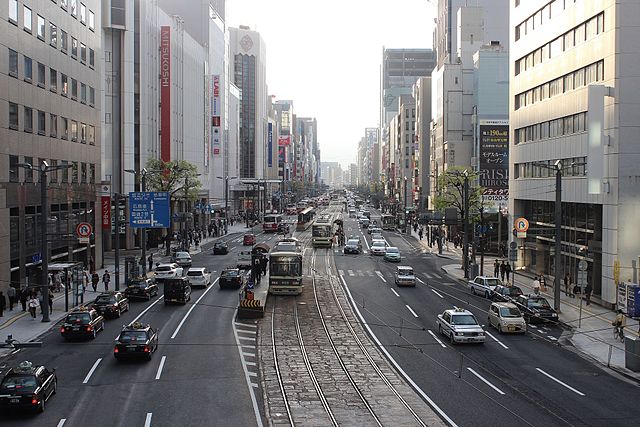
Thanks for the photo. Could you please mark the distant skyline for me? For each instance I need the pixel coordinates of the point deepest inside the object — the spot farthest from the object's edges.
(326, 56)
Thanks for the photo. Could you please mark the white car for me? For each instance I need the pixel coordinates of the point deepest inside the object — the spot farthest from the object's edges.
(183, 259)
(379, 247)
(506, 317)
(168, 271)
(376, 236)
(199, 277)
(460, 326)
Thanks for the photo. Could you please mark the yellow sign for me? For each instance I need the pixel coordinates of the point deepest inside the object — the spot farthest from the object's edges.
(616, 271)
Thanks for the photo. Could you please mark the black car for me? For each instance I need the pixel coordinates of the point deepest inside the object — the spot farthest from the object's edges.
(138, 340)
(535, 308)
(283, 227)
(220, 248)
(353, 246)
(177, 290)
(505, 293)
(111, 304)
(27, 387)
(141, 287)
(231, 277)
(82, 323)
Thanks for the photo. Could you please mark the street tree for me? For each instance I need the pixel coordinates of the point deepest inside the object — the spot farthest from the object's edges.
(450, 191)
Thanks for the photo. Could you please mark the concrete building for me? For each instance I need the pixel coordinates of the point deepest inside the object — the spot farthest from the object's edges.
(422, 144)
(573, 105)
(50, 83)
(332, 174)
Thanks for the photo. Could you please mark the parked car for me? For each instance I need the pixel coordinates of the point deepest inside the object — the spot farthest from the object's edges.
(353, 246)
(506, 317)
(141, 287)
(505, 293)
(378, 247)
(220, 248)
(392, 254)
(460, 326)
(484, 285)
(249, 239)
(183, 259)
(168, 271)
(199, 277)
(536, 309)
(405, 276)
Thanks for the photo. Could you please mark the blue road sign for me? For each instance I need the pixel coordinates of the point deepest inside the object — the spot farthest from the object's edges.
(149, 209)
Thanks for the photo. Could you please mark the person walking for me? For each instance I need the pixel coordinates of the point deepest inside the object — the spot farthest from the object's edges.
(587, 293)
(11, 294)
(94, 281)
(567, 286)
(24, 297)
(51, 301)
(421, 233)
(150, 261)
(543, 283)
(507, 271)
(263, 264)
(3, 304)
(536, 285)
(33, 305)
(496, 268)
(106, 278)
(503, 270)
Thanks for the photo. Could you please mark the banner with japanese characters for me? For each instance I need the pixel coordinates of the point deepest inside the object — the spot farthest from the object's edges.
(494, 160)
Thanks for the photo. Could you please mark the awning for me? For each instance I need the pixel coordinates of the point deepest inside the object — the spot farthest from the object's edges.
(261, 248)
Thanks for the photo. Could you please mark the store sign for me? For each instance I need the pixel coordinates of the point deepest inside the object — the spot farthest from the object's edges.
(494, 160)
(105, 203)
(270, 144)
(216, 130)
(284, 141)
(165, 93)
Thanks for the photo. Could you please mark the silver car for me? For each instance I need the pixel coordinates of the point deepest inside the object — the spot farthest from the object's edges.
(506, 317)
(199, 277)
(460, 326)
(183, 259)
(405, 276)
(379, 247)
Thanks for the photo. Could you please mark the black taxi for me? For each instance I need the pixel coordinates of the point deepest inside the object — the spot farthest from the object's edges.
(27, 387)
(141, 287)
(84, 322)
(111, 304)
(136, 341)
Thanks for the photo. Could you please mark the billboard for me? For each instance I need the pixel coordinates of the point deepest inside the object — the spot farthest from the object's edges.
(284, 140)
(165, 93)
(494, 160)
(216, 132)
(105, 203)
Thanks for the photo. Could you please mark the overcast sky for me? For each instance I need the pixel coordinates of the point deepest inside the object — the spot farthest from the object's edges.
(325, 55)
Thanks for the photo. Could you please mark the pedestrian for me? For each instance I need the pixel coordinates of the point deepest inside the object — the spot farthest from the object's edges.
(420, 233)
(56, 281)
(543, 283)
(11, 294)
(33, 305)
(150, 260)
(94, 281)
(507, 271)
(263, 265)
(496, 268)
(24, 297)
(106, 278)
(50, 303)
(587, 293)
(503, 270)
(40, 297)
(536, 285)
(3, 304)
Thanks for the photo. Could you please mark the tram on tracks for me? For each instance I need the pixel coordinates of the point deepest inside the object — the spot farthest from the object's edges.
(388, 222)
(322, 231)
(305, 219)
(271, 223)
(285, 272)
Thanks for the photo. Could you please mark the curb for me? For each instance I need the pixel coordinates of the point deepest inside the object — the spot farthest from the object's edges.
(12, 320)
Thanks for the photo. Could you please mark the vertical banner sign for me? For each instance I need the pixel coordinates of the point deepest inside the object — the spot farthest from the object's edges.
(494, 160)
(208, 94)
(215, 117)
(270, 143)
(165, 93)
(105, 203)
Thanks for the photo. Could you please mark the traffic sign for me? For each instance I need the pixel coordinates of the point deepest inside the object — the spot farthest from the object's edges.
(149, 209)
(582, 279)
(521, 234)
(522, 225)
(582, 265)
(84, 230)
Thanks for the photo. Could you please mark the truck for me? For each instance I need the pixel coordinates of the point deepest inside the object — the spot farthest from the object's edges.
(484, 285)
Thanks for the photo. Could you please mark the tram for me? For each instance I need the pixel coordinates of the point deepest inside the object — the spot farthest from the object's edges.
(285, 273)
(271, 222)
(305, 219)
(322, 231)
(388, 222)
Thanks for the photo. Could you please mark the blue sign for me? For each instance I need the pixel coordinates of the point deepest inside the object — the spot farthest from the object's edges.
(149, 210)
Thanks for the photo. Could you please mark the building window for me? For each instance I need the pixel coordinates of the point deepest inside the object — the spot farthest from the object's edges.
(53, 80)
(64, 85)
(64, 41)
(27, 19)
(83, 13)
(53, 175)
(83, 133)
(53, 35)
(74, 8)
(13, 116)
(64, 131)
(13, 63)
(74, 89)
(83, 53)
(92, 21)
(92, 96)
(28, 70)
(42, 123)
(41, 75)
(92, 58)
(40, 28)
(74, 131)
(65, 171)
(13, 11)
(92, 173)
(74, 47)
(91, 135)
(74, 172)
(13, 168)
(28, 119)
(83, 173)
(28, 173)
(83, 93)
(53, 126)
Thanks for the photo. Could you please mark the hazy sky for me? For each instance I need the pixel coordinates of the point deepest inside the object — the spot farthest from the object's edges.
(325, 55)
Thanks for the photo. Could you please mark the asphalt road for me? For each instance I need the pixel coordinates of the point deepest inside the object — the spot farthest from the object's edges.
(510, 380)
(195, 378)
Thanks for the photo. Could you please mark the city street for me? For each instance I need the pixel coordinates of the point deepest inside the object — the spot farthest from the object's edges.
(510, 379)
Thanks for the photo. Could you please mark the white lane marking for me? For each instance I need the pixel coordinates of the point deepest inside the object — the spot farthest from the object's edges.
(437, 293)
(420, 280)
(437, 339)
(341, 272)
(253, 374)
(427, 275)
(247, 338)
(533, 326)
(142, 313)
(244, 354)
(394, 291)
(61, 422)
(254, 385)
(393, 361)
(351, 273)
(496, 340)
(147, 421)
(552, 338)
(160, 367)
(360, 273)
(250, 385)
(250, 363)
(437, 276)
(93, 368)
(411, 310)
(365, 241)
(186, 316)
(369, 273)
(484, 380)
(246, 325)
(560, 382)
(381, 276)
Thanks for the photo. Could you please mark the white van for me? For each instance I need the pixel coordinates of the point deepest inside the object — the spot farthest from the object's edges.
(244, 260)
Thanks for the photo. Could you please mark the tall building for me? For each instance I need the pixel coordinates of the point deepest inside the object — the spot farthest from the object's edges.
(573, 107)
(422, 144)
(50, 103)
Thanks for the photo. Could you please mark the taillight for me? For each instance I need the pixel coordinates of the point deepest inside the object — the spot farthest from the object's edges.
(34, 400)
(147, 349)
(89, 328)
(62, 329)
(115, 350)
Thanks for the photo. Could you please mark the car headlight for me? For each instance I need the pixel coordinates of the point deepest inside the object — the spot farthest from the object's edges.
(459, 334)
(480, 334)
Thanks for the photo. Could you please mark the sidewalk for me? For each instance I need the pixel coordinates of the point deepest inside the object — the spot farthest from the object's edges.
(448, 249)
(591, 331)
(24, 328)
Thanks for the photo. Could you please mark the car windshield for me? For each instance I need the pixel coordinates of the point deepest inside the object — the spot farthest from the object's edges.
(538, 303)
(463, 319)
(79, 318)
(393, 251)
(220, 244)
(24, 383)
(138, 283)
(108, 299)
(353, 242)
(182, 255)
(164, 268)
(514, 291)
(509, 312)
(378, 244)
(196, 273)
(492, 282)
(133, 336)
(230, 273)
(405, 272)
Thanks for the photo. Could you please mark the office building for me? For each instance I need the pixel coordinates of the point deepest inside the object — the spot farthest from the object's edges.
(422, 143)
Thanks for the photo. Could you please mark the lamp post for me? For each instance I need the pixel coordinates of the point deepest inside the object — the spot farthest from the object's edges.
(226, 200)
(44, 169)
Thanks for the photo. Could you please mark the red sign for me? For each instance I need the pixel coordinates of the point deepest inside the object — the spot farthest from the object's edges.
(105, 202)
(84, 229)
(284, 141)
(165, 93)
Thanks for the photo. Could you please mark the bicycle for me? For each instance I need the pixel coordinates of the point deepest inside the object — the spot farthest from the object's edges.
(618, 333)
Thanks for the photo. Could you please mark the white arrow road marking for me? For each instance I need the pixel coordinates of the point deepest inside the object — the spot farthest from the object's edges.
(486, 381)
(560, 382)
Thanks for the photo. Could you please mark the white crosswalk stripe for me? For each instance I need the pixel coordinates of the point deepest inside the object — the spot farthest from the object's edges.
(370, 273)
(351, 273)
(437, 276)
(341, 272)
(360, 273)
(427, 275)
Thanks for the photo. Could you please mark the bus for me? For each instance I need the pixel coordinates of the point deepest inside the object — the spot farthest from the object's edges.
(388, 222)
(271, 223)
(305, 218)
(285, 273)
(322, 231)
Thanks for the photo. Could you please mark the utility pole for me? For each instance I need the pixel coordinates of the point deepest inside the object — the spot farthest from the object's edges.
(558, 246)
(44, 215)
(481, 235)
(465, 239)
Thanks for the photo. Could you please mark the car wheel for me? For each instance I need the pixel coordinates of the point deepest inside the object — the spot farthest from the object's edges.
(55, 387)
(41, 407)
(118, 313)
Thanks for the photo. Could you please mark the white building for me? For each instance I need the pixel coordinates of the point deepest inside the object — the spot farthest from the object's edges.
(422, 144)
(574, 96)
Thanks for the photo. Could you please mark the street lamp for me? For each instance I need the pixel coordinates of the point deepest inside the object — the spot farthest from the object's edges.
(44, 170)
(226, 200)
